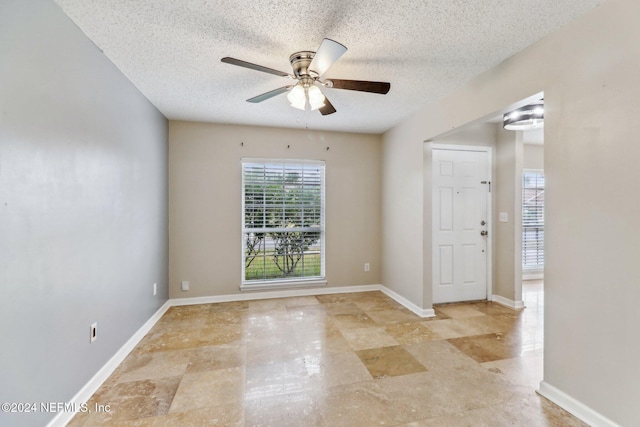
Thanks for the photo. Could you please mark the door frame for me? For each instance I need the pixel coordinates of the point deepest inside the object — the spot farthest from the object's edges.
(489, 152)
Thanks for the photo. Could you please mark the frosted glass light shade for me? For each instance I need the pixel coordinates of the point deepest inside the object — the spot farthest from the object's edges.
(297, 98)
(316, 98)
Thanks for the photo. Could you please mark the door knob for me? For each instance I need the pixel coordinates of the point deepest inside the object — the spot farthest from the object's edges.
(484, 233)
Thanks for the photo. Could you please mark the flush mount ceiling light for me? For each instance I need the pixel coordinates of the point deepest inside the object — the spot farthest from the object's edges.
(525, 118)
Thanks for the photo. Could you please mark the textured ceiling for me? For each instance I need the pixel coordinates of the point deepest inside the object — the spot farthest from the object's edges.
(171, 51)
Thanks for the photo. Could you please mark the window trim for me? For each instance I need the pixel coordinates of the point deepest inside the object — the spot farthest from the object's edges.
(293, 282)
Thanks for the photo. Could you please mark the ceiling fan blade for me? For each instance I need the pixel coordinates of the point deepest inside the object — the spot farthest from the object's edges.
(256, 67)
(327, 108)
(361, 85)
(269, 94)
(328, 53)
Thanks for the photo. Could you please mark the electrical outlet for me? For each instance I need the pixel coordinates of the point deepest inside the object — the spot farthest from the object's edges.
(93, 331)
(367, 266)
(184, 285)
(155, 289)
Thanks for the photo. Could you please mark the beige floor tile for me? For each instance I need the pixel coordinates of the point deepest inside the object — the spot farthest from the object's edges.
(526, 370)
(337, 369)
(363, 338)
(489, 347)
(377, 303)
(134, 400)
(494, 309)
(216, 357)
(347, 307)
(386, 317)
(352, 321)
(300, 301)
(166, 340)
(154, 365)
(360, 404)
(225, 317)
(411, 333)
(440, 392)
(229, 415)
(186, 312)
(291, 410)
(389, 362)
(275, 305)
(230, 306)
(439, 355)
(531, 411)
(334, 298)
(209, 388)
(460, 311)
(309, 361)
(480, 325)
(446, 328)
(277, 378)
(321, 341)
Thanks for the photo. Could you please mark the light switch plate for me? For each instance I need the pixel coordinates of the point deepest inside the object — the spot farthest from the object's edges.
(503, 217)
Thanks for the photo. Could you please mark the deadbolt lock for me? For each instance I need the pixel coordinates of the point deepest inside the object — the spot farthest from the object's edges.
(483, 222)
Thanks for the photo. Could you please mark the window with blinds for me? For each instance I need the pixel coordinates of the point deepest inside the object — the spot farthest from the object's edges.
(532, 221)
(283, 221)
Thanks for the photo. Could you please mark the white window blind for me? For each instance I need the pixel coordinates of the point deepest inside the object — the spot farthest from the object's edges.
(532, 221)
(283, 221)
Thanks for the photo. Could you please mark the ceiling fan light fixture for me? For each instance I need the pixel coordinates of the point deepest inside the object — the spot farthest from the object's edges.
(308, 68)
(525, 118)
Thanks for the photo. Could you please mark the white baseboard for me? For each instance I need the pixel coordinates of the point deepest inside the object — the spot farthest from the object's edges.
(285, 293)
(288, 293)
(85, 393)
(422, 312)
(575, 407)
(515, 305)
(101, 376)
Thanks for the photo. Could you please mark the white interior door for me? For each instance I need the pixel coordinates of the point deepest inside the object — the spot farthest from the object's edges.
(460, 224)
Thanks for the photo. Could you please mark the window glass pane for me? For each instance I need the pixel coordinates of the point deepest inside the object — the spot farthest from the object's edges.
(532, 221)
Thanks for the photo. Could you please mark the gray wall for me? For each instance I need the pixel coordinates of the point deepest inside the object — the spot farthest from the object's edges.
(83, 207)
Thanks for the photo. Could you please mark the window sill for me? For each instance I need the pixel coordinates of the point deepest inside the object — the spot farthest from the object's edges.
(260, 286)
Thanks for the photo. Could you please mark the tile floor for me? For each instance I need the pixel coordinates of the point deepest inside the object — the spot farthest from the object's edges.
(355, 359)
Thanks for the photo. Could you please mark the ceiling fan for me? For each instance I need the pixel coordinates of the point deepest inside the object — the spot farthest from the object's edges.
(308, 69)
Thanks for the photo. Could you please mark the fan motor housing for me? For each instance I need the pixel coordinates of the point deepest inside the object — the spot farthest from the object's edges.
(300, 63)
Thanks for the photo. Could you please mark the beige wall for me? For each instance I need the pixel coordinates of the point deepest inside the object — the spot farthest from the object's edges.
(507, 275)
(589, 74)
(402, 213)
(533, 156)
(205, 201)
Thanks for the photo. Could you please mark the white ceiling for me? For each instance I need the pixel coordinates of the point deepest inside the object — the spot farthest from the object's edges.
(171, 51)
